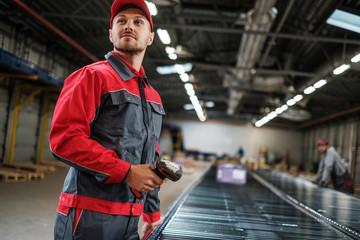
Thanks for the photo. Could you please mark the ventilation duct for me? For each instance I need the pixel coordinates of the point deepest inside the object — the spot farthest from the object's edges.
(260, 19)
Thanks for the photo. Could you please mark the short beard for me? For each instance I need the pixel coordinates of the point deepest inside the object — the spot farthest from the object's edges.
(129, 51)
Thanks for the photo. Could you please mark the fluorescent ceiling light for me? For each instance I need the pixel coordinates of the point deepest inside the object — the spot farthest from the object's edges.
(202, 118)
(356, 58)
(279, 110)
(274, 10)
(194, 100)
(169, 50)
(179, 69)
(164, 36)
(345, 20)
(189, 89)
(298, 97)
(265, 119)
(152, 8)
(198, 108)
(170, 69)
(341, 69)
(320, 83)
(259, 123)
(172, 56)
(290, 102)
(184, 77)
(188, 106)
(284, 107)
(209, 104)
(188, 86)
(309, 90)
(272, 115)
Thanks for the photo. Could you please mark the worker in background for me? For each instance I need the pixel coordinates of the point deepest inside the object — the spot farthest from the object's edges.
(331, 165)
(106, 126)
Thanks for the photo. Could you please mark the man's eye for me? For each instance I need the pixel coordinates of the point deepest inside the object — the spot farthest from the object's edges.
(138, 22)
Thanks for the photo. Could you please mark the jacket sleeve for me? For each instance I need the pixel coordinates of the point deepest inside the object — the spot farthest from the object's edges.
(329, 161)
(320, 171)
(70, 132)
(151, 212)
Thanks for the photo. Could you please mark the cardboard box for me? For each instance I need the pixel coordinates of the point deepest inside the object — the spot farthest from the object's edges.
(228, 173)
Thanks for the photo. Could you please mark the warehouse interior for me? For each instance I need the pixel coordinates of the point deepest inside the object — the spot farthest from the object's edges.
(269, 77)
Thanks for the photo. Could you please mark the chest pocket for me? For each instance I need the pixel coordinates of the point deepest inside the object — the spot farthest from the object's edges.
(125, 112)
(157, 113)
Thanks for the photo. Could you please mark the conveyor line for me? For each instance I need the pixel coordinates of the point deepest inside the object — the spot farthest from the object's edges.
(214, 210)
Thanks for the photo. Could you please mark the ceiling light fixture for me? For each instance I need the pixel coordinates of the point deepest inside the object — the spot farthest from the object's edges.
(284, 107)
(164, 36)
(272, 115)
(189, 89)
(152, 8)
(279, 110)
(356, 58)
(209, 104)
(298, 97)
(290, 102)
(170, 69)
(169, 50)
(179, 69)
(184, 77)
(320, 83)
(188, 106)
(345, 20)
(341, 69)
(309, 90)
(172, 56)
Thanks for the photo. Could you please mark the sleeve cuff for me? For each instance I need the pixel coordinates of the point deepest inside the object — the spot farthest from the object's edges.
(151, 217)
(119, 172)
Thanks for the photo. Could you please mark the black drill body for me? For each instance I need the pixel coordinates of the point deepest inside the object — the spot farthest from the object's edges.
(164, 169)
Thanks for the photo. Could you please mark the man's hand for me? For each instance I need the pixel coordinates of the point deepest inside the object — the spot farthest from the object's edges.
(142, 178)
(151, 226)
(323, 184)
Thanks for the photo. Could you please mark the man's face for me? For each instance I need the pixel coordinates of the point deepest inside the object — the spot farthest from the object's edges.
(322, 147)
(131, 31)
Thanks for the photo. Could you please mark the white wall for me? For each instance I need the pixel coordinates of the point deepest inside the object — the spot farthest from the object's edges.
(224, 137)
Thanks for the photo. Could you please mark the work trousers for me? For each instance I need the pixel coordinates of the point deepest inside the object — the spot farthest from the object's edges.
(343, 183)
(82, 224)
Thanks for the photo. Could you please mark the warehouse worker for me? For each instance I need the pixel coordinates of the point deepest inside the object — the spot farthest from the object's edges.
(331, 165)
(106, 126)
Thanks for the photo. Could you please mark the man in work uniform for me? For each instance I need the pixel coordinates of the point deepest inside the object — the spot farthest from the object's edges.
(106, 126)
(331, 165)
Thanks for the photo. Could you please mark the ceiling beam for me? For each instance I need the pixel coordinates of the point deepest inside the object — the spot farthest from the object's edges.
(301, 37)
(257, 71)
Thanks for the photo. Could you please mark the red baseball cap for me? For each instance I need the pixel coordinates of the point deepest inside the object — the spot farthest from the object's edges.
(322, 141)
(118, 4)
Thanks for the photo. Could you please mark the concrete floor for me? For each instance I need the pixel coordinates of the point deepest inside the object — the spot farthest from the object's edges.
(28, 209)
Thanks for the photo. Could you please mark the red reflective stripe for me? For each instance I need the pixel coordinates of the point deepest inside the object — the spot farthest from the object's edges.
(77, 217)
(63, 210)
(98, 205)
(151, 217)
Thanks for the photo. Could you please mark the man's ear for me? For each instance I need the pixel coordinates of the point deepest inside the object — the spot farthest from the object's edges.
(151, 38)
(110, 35)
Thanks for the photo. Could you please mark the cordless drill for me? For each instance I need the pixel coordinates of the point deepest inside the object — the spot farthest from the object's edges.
(164, 169)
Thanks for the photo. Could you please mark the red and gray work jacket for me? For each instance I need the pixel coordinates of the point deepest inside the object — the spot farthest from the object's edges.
(102, 126)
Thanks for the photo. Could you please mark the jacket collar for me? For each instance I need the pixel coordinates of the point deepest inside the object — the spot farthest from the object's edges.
(123, 69)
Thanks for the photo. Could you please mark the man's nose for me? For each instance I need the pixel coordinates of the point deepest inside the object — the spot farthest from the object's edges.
(129, 26)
